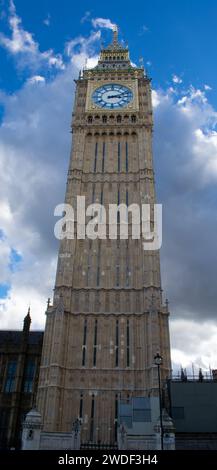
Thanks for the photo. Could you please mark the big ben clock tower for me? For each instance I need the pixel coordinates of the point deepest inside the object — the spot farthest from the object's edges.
(108, 319)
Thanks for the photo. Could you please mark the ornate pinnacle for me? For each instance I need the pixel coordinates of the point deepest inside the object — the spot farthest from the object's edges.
(27, 321)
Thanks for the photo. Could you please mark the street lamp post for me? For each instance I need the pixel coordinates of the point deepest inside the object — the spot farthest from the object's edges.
(158, 361)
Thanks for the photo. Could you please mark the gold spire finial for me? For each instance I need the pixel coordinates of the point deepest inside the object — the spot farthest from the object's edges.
(115, 35)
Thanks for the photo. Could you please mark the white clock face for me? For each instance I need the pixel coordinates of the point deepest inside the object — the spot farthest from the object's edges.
(112, 96)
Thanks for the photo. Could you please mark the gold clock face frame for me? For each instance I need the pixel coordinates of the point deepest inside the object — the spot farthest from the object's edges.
(93, 86)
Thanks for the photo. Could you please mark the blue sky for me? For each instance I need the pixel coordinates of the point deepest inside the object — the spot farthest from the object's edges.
(176, 37)
(42, 47)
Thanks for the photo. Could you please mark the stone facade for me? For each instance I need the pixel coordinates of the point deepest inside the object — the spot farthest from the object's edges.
(108, 319)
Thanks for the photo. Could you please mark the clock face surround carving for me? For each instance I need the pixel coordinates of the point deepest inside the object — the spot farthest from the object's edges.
(112, 96)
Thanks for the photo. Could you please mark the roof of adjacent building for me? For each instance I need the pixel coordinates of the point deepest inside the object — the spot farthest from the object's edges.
(15, 337)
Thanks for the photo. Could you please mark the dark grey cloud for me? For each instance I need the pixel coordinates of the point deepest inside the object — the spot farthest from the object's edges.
(35, 144)
(35, 140)
(186, 175)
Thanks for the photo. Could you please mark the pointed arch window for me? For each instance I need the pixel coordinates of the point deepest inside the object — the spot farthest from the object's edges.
(127, 165)
(118, 202)
(117, 344)
(93, 194)
(116, 417)
(81, 406)
(101, 202)
(11, 376)
(84, 343)
(95, 158)
(119, 157)
(127, 265)
(128, 343)
(95, 344)
(98, 265)
(103, 157)
(92, 413)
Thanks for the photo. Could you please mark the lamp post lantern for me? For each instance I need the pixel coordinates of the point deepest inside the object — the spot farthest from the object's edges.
(158, 361)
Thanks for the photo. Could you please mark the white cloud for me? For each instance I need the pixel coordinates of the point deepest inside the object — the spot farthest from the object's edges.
(53, 60)
(176, 79)
(207, 87)
(200, 344)
(36, 79)
(144, 29)
(171, 90)
(22, 44)
(156, 99)
(5, 251)
(103, 23)
(46, 21)
(21, 40)
(82, 50)
(86, 17)
(205, 150)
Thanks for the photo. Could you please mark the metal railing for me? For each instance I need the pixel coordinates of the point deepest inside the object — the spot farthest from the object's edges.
(98, 445)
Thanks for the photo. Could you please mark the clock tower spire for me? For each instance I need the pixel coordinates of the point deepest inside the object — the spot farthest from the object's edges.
(115, 36)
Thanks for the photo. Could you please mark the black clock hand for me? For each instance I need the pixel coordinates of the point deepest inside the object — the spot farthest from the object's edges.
(113, 96)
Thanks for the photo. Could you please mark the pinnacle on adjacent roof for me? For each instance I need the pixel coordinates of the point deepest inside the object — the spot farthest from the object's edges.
(27, 321)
